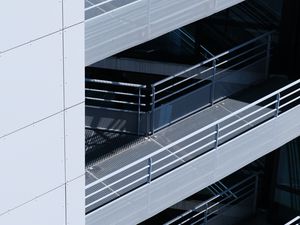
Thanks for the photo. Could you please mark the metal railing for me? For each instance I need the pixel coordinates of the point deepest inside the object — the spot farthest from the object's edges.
(184, 93)
(205, 76)
(295, 221)
(197, 143)
(117, 96)
(205, 211)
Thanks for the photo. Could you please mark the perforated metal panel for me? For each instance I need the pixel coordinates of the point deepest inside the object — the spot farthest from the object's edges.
(113, 26)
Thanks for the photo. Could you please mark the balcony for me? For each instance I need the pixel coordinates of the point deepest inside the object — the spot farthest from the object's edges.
(192, 154)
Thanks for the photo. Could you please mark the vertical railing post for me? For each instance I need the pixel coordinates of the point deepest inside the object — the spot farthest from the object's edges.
(268, 55)
(149, 170)
(212, 91)
(205, 213)
(152, 108)
(139, 112)
(277, 104)
(217, 135)
(255, 194)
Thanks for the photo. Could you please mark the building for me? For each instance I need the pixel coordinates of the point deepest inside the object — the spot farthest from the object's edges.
(178, 131)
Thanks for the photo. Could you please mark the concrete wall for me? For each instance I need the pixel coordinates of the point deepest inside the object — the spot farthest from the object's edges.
(42, 112)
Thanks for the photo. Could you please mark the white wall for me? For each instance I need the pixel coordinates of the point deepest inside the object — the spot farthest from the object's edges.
(42, 112)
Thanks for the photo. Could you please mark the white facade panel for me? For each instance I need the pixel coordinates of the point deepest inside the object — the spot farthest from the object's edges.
(73, 12)
(75, 141)
(31, 162)
(31, 86)
(74, 65)
(75, 201)
(48, 209)
(24, 21)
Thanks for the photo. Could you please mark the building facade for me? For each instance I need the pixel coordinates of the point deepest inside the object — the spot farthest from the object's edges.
(44, 50)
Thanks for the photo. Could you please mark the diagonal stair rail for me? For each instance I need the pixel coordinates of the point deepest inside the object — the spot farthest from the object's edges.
(214, 206)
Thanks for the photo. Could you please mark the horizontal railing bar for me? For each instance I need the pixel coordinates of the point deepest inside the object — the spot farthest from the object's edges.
(203, 204)
(113, 109)
(243, 188)
(111, 130)
(182, 157)
(194, 216)
(205, 79)
(182, 89)
(248, 193)
(164, 89)
(181, 216)
(230, 195)
(116, 191)
(180, 73)
(207, 69)
(197, 214)
(114, 92)
(186, 79)
(246, 116)
(246, 124)
(219, 209)
(195, 132)
(206, 209)
(117, 181)
(177, 83)
(289, 94)
(215, 57)
(289, 102)
(185, 147)
(241, 54)
(124, 84)
(293, 221)
(243, 61)
(114, 101)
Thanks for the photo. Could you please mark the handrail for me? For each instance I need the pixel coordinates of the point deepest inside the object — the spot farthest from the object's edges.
(114, 92)
(204, 77)
(214, 58)
(205, 204)
(296, 219)
(211, 125)
(124, 84)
